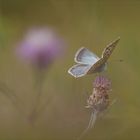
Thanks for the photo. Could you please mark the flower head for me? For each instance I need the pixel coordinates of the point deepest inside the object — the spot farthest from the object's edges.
(102, 82)
(99, 99)
(40, 47)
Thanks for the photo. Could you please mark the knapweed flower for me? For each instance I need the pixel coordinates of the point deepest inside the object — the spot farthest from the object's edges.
(98, 101)
(40, 47)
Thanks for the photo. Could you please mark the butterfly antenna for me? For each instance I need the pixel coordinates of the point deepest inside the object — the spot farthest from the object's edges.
(117, 60)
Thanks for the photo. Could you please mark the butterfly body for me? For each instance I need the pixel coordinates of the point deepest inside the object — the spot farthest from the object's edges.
(88, 62)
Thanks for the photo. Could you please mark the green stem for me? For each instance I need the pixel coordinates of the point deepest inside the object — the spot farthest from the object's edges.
(38, 88)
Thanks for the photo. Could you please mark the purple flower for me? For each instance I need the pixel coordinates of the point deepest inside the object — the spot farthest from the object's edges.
(99, 99)
(40, 47)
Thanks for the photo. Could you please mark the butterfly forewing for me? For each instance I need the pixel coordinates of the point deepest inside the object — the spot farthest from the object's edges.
(84, 56)
(109, 49)
(100, 65)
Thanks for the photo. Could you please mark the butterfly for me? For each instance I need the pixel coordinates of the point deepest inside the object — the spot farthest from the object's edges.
(88, 62)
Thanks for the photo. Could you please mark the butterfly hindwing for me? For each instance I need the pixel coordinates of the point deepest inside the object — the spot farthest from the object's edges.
(99, 66)
(84, 56)
(79, 70)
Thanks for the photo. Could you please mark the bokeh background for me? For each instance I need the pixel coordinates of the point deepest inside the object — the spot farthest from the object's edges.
(90, 23)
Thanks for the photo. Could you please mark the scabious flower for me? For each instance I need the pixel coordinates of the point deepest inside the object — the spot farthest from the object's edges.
(40, 47)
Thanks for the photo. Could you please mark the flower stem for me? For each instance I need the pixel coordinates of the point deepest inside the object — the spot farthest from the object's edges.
(92, 121)
(9, 93)
(38, 88)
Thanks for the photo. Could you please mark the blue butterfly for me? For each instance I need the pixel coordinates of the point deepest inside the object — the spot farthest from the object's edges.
(88, 62)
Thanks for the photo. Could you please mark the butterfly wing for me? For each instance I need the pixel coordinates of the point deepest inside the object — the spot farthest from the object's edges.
(79, 70)
(84, 56)
(99, 66)
(109, 49)
(89, 62)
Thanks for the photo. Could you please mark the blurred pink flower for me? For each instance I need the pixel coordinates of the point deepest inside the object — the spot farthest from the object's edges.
(40, 47)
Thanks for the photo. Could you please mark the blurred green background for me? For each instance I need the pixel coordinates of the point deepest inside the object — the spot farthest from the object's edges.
(89, 23)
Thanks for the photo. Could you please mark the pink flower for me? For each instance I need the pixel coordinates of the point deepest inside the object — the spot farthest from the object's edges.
(102, 82)
(40, 47)
(99, 99)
